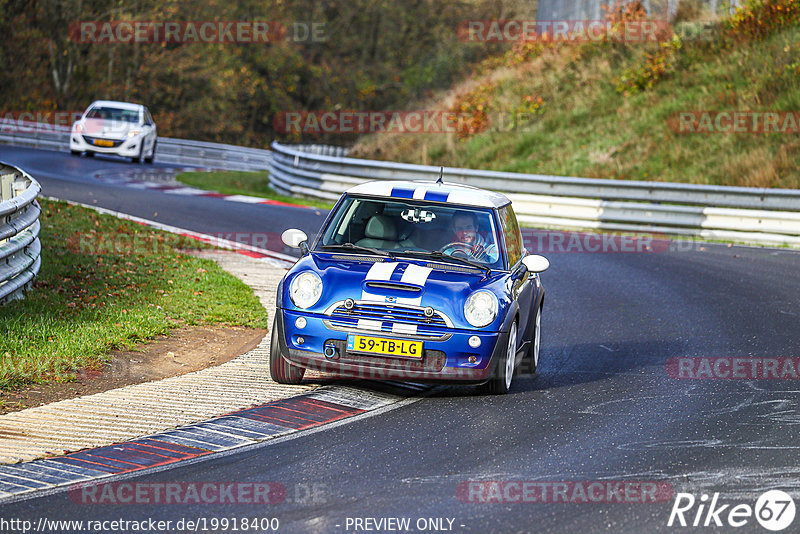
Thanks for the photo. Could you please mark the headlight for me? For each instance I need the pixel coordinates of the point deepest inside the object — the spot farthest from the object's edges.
(305, 290)
(133, 133)
(78, 128)
(481, 308)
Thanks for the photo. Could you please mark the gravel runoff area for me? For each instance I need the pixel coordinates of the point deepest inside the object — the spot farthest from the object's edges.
(141, 409)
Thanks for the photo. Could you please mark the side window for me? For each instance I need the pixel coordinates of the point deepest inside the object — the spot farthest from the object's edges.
(147, 118)
(512, 235)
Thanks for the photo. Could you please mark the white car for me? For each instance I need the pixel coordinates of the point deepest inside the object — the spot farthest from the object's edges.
(120, 128)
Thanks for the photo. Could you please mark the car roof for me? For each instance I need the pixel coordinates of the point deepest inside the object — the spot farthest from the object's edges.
(432, 191)
(116, 104)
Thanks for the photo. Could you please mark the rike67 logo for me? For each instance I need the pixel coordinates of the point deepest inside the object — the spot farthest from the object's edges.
(774, 510)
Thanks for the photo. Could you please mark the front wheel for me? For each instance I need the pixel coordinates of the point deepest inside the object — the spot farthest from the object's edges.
(138, 159)
(501, 381)
(151, 157)
(530, 363)
(282, 372)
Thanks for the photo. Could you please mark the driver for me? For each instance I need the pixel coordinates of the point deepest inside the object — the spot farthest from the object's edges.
(466, 237)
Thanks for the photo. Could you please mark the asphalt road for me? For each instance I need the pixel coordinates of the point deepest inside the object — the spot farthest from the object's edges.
(604, 406)
(76, 178)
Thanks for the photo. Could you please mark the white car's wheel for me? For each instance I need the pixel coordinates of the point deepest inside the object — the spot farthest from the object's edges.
(151, 157)
(138, 159)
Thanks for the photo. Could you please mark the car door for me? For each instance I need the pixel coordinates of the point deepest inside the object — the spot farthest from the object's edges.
(523, 288)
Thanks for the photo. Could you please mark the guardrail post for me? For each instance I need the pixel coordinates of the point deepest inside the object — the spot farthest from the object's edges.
(18, 187)
(6, 191)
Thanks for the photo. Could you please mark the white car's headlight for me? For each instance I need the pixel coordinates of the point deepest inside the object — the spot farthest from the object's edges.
(133, 133)
(78, 127)
(305, 290)
(481, 308)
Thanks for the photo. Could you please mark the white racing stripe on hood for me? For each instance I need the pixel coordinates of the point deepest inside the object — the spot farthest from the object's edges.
(416, 275)
(379, 271)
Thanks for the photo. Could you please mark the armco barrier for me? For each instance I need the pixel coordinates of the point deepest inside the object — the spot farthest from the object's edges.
(168, 150)
(744, 214)
(20, 248)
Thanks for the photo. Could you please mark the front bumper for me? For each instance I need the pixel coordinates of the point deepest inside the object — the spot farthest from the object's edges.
(443, 360)
(129, 147)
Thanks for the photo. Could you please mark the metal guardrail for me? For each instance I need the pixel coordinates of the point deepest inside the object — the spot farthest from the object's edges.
(744, 214)
(169, 150)
(20, 249)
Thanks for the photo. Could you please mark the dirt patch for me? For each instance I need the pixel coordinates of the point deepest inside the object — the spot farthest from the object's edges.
(186, 349)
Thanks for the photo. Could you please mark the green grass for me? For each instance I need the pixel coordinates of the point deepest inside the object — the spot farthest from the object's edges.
(244, 183)
(108, 284)
(589, 126)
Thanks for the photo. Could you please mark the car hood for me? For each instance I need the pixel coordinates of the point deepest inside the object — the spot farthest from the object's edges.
(445, 287)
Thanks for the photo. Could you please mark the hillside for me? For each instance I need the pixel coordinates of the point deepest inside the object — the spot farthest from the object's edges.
(612, 110)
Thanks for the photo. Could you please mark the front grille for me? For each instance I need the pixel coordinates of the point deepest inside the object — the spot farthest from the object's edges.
(90, 140)
(389, 315)
(432, 360)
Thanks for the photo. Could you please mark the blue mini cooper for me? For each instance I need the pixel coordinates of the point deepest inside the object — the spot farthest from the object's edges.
(411, 281)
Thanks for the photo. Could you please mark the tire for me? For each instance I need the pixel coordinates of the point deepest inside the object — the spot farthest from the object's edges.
(530, 362)
(281, 370)
(89, 154)
(75, 152)
(500, 383)
(138, 159)
(152, 153)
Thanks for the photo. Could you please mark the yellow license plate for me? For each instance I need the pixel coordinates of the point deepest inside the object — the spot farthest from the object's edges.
(387, 347)
(102, 142)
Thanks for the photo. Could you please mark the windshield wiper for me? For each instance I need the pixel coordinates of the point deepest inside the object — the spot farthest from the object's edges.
(358, 248)
(441, 256)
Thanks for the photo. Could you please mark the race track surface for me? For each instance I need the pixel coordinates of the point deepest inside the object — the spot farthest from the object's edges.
(605, 407)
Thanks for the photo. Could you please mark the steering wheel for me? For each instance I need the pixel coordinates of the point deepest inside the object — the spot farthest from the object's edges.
(452, 249)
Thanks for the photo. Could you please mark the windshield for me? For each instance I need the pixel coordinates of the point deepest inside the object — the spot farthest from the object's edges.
(114, 114)
(415, 226)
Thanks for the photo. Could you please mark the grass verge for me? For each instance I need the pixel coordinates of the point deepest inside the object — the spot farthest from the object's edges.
(244, 183)
(609, 110)
(110, 284)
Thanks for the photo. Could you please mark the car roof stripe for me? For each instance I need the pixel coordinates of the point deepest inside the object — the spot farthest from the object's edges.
(400, 192)
(436, 196)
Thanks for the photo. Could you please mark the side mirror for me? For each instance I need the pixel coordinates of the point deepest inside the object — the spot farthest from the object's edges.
(295, 238)
(536, 263)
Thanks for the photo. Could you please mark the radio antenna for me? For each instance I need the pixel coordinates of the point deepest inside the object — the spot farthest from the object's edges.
(440, 181)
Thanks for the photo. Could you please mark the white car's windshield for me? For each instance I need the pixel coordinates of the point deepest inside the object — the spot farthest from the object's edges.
(398, 226)
(114, 114)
